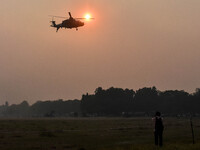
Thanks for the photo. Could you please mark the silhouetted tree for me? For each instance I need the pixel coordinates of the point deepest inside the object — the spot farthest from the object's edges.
(146, 99)
(6, 104)
(21, 110)
(112, 101)
(174, 101)
(58, 107)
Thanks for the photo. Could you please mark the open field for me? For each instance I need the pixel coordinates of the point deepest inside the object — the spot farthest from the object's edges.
(95, 134)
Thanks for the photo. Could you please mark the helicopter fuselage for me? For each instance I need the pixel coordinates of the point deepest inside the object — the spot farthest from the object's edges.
(68, 23)
(71, 23)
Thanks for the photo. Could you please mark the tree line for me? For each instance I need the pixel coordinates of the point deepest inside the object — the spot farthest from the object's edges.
(111, 102)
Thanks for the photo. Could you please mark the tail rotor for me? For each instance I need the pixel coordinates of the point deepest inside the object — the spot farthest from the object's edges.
(53, 23)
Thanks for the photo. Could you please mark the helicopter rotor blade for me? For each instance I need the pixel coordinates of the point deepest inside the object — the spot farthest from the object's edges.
(67, 17)
(84, 18)
(57, 16)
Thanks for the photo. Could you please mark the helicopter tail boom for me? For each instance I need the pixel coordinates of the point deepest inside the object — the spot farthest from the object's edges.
(58, 26)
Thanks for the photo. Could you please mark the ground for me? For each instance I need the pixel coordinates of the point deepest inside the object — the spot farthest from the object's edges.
(95, 134)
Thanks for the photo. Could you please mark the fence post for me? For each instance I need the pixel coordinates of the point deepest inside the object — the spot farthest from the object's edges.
(191, 124)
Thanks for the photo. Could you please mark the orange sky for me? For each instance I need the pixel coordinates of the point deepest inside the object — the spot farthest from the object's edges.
(130, 44)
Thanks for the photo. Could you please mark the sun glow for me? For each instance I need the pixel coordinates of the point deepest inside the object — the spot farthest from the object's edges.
(87, 16)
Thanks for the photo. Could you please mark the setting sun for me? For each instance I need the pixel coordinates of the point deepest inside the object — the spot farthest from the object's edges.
(87, 16)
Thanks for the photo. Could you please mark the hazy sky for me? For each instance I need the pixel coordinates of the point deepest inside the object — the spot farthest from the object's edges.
(130, 44)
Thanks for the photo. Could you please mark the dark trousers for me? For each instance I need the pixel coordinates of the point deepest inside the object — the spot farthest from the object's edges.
(158, 137)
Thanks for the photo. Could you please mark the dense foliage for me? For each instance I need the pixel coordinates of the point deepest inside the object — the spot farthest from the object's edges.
(111, 102)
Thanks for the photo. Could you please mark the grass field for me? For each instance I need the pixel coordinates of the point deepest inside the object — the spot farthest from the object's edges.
(95, 134)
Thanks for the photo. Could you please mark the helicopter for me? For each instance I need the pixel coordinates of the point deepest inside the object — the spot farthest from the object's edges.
(68, 23)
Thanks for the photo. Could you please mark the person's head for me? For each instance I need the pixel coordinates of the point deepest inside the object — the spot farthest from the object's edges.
(158, 114)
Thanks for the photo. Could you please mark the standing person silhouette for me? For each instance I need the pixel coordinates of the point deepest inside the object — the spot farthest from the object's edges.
(158, 129)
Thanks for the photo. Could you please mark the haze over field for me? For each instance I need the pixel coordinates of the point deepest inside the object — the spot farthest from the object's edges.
(130, 44)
